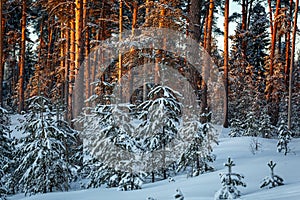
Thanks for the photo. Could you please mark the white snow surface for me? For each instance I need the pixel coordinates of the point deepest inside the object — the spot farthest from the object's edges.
(253, 167)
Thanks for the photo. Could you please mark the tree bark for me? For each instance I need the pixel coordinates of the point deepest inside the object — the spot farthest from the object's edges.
(1, 57)
(120, 39)
(194, 16)
(67, 69)
(78, 32)
(291, 66)
(226, 123)
(209, 24)
(274, 36)
(71, 70)
(132, 50)
(22, 58)
(87, 69)
(287, 45)
(205, 73)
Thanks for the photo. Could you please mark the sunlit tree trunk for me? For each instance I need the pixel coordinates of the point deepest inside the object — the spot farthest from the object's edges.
(22, 58)
(86, 51)
(226, 14)
(158, 52)
(207, 46)
(291, 65)
(244, 29)
(78, 31)
(71, 70)
(120, 39)
(273, 40)
(144, 71)
(1, 57)
(50, 46)
(67, 69)
(134, 23)
(208, 33)
(287, 45)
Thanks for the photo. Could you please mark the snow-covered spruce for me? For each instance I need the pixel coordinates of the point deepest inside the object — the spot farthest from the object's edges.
(108, 131)
(5, 153)
(265, 127)
(160, 118)
(284, 137)
(272, 180)
(44, 163)
(229, 182)
(99, 174)
(131, 181)
(178, 195)
(198, 155)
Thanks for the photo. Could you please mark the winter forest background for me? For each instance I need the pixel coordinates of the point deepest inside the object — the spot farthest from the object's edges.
(43, 45)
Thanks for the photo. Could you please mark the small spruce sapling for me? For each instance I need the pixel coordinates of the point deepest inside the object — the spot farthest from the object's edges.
(273, 180)
(229, 182)
(284, 137)
(178, 195)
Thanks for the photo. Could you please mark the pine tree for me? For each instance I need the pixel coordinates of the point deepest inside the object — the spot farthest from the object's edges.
(130, 181)
(229, 182)
(43, 164)
(296, 99)
(108, 129)
(265, 128)
(251, 125)
(284, 137)
(247, 82)
(273, 180)
(160, 116)
(99, 174)
(198, 154)
(6, 153)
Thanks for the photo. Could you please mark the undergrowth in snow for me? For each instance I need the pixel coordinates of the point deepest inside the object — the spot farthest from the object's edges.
(252, 166)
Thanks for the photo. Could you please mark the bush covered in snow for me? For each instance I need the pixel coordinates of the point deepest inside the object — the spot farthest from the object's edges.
(273, 180)
(229, 182)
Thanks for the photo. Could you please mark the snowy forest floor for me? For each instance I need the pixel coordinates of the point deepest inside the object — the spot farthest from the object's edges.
(252, 166)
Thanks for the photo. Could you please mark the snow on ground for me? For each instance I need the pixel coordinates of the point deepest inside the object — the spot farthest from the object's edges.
(253, 167)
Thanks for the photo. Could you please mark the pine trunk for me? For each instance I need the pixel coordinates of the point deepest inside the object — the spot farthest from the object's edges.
(226, 123)
(86, 51)
(210, 20)
(66, 69)
(1, 57)
(244, 29)
(130, 75)
(207, 46)
(22, 58)
(291, 66)
(71, 70)
(274, 36)
(78, 31)
(50, 46)
(194, 16)
(287, 45)
(120, 53)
